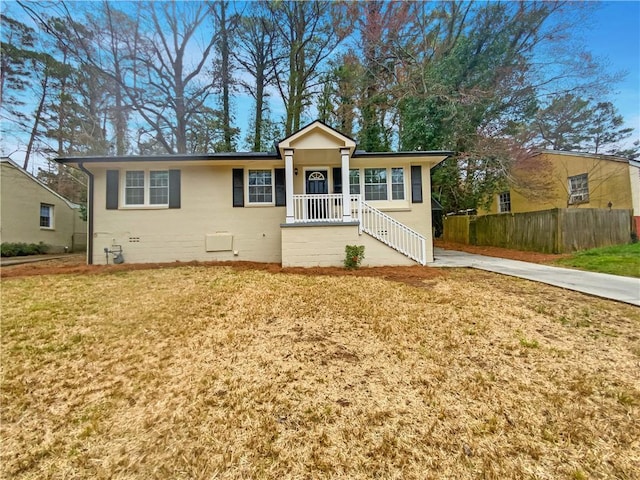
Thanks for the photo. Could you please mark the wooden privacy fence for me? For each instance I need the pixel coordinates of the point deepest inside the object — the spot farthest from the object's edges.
(551, 231)
(457, 229)
(593, 227)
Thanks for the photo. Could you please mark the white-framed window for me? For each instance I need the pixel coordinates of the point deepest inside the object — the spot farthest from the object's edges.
(504, 202)
(397, 183)
(260, 186)
(375, 184)
(354, 181)
(578, 188)
(159, 187)
(134, 187)
(46, 215)
(379, 183)
(146, 187)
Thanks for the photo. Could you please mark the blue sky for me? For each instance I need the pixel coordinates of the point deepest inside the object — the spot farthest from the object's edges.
(615, 34)
(612, 34)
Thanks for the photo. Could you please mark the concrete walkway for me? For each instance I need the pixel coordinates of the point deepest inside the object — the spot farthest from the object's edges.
(613, 287)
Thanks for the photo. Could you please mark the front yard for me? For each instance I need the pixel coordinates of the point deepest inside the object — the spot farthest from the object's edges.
(219, 372)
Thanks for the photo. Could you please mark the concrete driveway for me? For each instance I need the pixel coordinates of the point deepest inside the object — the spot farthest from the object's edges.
(613, 287)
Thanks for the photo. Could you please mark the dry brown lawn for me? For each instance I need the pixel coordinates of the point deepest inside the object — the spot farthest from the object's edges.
(219, 373)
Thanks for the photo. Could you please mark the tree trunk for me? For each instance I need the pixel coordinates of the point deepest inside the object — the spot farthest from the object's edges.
(225, 75)
(257, 139)
(36, 121)
(120, 123)
(181, 111)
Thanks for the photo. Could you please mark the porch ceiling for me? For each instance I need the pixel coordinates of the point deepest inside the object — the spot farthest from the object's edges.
(317, 157)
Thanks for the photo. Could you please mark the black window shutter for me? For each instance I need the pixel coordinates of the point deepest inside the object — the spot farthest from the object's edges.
(174, 188)
(238, 187)
(113, 177)
(281, 193)
(416, 183)
(337, 180)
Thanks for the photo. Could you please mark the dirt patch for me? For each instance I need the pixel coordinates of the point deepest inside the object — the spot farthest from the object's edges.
(533, 257)
(413, 275)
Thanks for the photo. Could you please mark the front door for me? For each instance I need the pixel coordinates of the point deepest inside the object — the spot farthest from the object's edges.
(317, 183)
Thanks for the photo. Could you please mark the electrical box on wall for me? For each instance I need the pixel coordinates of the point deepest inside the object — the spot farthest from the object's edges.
(218, 242)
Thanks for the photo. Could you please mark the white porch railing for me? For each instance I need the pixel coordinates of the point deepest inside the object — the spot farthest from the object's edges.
(388, 230)
(393, 233)
(317, 208)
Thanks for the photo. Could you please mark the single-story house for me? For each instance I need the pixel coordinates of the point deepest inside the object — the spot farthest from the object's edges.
(298, 206)
(31, 212)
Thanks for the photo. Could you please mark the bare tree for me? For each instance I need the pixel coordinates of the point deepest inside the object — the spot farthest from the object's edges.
(226, 26)
(309, 32)
(158, 53)
(167, 89)
(259, 60)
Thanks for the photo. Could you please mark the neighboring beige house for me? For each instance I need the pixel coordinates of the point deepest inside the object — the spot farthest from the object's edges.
(299, 206)
(31, 212)
(575, 180)
(634, 180)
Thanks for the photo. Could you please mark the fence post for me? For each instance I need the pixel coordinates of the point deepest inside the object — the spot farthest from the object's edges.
(473, 230)
(558, 246)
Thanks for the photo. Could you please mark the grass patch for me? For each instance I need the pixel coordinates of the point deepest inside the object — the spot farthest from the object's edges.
(529, 343)
(617, 260)
(211, 372)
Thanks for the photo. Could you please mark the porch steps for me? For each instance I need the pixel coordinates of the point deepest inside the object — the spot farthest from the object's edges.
(392, 233)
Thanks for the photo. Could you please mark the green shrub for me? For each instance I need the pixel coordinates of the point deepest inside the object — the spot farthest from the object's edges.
(21, 249)
(353, 256)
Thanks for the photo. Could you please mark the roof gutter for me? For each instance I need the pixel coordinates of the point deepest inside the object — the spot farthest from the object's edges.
(89, 213)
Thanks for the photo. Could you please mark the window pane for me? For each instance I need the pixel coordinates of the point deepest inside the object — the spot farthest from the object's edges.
(135, 179)
(159, 195)
(134, 187)
(505, 202)
(159, 187)
(579, 188)
(260, 194)
(259, 177)
(46, 214)
(354, 182)
(375, 175)
(375, 192)
(397, 183)
(375, 184)
(260, 186)
(134, 196)
(159, 179)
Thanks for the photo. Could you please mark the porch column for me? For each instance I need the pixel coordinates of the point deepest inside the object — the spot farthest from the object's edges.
(288, 183)
(346, 194)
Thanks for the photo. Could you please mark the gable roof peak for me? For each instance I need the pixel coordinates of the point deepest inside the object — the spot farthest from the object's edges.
(317, 135)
